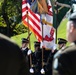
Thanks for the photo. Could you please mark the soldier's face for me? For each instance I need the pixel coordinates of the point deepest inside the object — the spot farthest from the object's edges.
(24, 45)
(36, 48)
(60, 46)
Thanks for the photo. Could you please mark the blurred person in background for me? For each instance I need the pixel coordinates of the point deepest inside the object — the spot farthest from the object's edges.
(64, 62)
(12, 60)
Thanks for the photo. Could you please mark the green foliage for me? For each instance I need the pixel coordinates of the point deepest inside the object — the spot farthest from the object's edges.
(2, 22)
(20, 28)
(10, 17)
(60, 12)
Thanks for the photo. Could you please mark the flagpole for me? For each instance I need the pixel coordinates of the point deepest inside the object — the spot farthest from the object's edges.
(56, 17)
(28, 31)
(29, 42)
(42, 45)
(42, 70)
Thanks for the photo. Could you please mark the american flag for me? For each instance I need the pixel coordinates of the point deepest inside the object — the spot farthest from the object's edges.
(31, 19)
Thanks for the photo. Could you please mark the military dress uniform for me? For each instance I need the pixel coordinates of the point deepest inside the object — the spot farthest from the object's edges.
(48, 66)
(64, 61)
(25, 49)
(28, 55)
(38, 65)
(47, 60)
(37, 58)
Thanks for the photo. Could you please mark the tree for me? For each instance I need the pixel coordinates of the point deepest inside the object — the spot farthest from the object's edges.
(10, 16)
(60, 11)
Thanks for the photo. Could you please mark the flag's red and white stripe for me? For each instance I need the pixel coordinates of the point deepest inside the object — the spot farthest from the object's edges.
(32, 20)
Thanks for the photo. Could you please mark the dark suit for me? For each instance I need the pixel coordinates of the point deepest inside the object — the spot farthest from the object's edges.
(38, 65)
(65, 61)
(48, 66)
(12, 61)
(25, 51)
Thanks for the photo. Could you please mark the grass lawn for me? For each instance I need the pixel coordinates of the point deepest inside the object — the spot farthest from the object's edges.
(61, 31)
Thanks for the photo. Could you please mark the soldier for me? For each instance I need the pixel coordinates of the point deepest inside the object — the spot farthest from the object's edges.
(65, 60)
(37, 55)
(47, 60)
(25, 43)
(36, 45)
(24, 47)
(27, 53)
(61, 43)
(34, 58)
(48, 66)
(45, 70)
